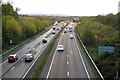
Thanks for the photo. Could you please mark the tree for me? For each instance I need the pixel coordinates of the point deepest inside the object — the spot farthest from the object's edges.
(11, 29)
(44, 24)
(38, 25)
(7, 9)
(88, 38)
(29, 27)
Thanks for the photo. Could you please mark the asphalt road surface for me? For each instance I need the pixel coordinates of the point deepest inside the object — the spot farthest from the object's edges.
(19, 68)
(70, 63)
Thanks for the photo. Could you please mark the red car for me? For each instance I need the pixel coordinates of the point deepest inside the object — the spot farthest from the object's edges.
(12, 58)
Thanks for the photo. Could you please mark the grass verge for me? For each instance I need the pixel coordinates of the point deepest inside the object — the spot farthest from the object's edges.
(88, 59)
(40, 65)
(20, 45)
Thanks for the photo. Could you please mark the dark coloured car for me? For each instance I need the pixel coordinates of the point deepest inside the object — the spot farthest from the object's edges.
(29, 57)
(65, 31)
(44, 40)
(53, 28)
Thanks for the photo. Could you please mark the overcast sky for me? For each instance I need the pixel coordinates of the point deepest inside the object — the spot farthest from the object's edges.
(67, 7)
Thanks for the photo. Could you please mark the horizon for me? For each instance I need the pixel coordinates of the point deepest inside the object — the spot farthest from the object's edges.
(68, 8)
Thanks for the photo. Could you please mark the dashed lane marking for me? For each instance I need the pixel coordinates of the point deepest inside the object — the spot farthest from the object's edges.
(68, 73)
(67, 62)
(12, 68)
(67, 55)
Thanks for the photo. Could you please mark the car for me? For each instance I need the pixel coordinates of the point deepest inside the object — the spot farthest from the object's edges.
(44, 40)
(71, 36)
(65, 31)
(53, 32)
(12, 58)
(70, 27)
(57, 28)
(70, 30)
(53, 28)
(60, 48)
(29, 57)
(66, 27)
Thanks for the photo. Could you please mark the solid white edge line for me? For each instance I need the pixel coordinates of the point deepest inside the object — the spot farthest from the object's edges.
(92, 60)
(53, 60)
(34, 62)
(25, 46)
(82, 60)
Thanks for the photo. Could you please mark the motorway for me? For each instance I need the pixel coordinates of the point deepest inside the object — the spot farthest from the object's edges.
(20, 68)
(70, 63)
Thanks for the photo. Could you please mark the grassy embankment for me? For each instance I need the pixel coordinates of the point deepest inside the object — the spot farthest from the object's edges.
(94, 34)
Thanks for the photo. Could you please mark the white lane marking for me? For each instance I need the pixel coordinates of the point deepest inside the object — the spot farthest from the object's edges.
(71, 52)
(82, 60)
(67, 62)
(53, 59)
(68, 73)
(27, 45)
(67, 50)
(67, 55)
(34, 62)
(12, 68)
(92, 60)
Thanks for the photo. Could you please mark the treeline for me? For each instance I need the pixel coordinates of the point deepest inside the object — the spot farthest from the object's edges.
(102, 31)
(109, 19)
(18, 28)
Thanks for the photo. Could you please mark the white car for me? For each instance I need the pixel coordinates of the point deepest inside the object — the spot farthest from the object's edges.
(71, 36)
(53, 32)
(60, 48)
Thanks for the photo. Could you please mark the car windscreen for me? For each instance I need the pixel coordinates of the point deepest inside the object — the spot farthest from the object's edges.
(60, 46)
(11, 56)
(28, 56)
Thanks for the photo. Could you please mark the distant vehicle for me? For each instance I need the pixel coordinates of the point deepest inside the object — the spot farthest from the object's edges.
(60, 48)
(53, 28)
(53, 32)
(12, 57)
(29, 57)
(56, 22)
(66, 27)
(71, 36)
(57, 28)
(65, 31)
(70, 27)
(70, 30)
(44, 40)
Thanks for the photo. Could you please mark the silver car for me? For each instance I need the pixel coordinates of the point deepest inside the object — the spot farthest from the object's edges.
(60, 48)
(71, 36)
(29, 57)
